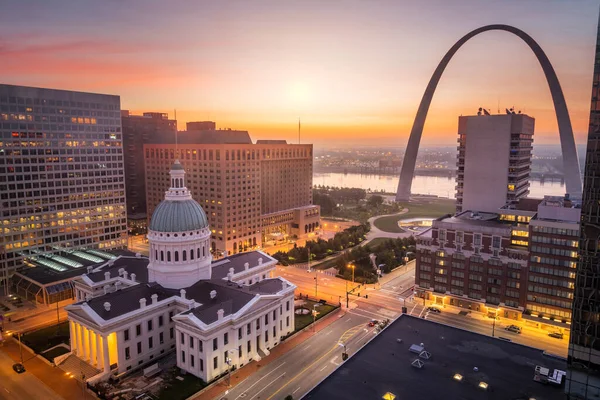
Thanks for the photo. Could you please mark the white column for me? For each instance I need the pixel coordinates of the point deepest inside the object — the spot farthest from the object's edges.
(98, 351)
(72, 331)
(85, 340)
(80, 348)
(105, 354)
(91, 348)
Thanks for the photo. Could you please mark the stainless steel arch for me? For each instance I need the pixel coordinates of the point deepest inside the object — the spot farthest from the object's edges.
(567, 142)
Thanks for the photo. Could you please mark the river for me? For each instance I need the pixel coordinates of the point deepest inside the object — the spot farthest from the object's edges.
(434, 185)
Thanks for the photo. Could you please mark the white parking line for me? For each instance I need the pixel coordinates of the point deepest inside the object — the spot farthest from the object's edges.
(256, 383)
(322, 369)
(298, 388)
(306, 347)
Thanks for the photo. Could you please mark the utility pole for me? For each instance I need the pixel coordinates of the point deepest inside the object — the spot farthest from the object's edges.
(57, 318)
(347, 296)
(20, 347)
(316, 283)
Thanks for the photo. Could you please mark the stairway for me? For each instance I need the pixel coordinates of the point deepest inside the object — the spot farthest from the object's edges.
(75, 366)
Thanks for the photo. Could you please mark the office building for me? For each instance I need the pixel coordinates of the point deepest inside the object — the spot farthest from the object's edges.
(494, 160)
(516, 263)
(253, 193)
(215, 315)
(137, 131)
(583, 377)
(61, 173)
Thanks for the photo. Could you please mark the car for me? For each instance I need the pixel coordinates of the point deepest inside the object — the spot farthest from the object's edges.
(373, 322)
(557, 335)
(513, 328)
(434, 309)
(19, 368)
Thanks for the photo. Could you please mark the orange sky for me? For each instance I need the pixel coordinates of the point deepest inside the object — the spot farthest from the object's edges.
(353, 71)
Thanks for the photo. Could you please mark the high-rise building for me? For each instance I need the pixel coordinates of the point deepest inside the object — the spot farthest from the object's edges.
(61, 173)
(583, 377)
(252, 193)
(138, 130)
(518, 262)
(494, 160)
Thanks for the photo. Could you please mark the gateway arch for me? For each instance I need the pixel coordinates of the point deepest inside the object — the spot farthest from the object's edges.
(567, 142)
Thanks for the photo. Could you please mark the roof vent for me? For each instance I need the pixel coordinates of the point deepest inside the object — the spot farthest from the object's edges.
(154, 298)
(90, 269)
(107, 306)
(246, 266)
(220, 314)
(182, 293)
(111, 262)
(133, 277)
(106, 289)
(125, 273)
(260, 261)
(117, 285)
(107, 275)
(121, 270)
(213, 294)
(142, 302)
(138, 255)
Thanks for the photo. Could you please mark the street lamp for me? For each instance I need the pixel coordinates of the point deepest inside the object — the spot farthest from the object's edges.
(494, 323)
(314, 313)
(345, 353)
(352, 266)
(228, 362)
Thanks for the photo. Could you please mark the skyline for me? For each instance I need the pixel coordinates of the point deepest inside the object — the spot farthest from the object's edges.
(346, 81)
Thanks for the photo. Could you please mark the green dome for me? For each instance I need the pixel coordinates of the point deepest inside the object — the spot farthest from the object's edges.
(178, 216)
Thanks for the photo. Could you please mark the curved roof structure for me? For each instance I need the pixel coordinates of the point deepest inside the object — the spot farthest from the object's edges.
(178, 216)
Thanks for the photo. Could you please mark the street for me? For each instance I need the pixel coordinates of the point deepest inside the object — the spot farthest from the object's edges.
(15, 386)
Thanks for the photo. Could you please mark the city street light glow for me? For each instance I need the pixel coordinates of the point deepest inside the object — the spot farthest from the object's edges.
(458, 377)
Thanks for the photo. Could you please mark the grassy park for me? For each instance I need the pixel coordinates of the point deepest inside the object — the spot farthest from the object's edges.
(46, 338)
(301, 321)
(431, 209)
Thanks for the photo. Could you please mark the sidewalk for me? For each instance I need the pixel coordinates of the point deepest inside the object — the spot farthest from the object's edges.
(53, 377)
(239, 375)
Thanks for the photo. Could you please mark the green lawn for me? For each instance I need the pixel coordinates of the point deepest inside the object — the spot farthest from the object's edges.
(45, 338)
(55, 352)
(375, 243)
(434, 209)
(179, 390)
(302, 321)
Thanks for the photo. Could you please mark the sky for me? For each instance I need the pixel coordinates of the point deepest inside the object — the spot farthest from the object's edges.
(353, 71)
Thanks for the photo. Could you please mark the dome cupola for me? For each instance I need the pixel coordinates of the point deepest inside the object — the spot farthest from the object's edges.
(179, 237)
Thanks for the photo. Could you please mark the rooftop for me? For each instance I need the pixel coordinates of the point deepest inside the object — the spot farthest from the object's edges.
(220, 268)
(384, 365)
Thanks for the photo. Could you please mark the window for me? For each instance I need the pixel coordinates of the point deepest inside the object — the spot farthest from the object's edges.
(459, 237)
(126, 334)
(150, 342)
(171, 316)
(127, 353)
(201, 364)
(215, 362)
(191, 342)
(274, 315)
(442, 235)
(138, 330)
(258, 324)
(191, 356)
(182, 337)
(171, 333)
(139, 347)
(240, 351)
(182, 356)
(215, 343)
(161, 338)
(274, 332)
(249, 347)
(248, 329)
(477, 239)
(226, 338)
(200, 346)
(266, 336)
(239, 333)
(160, 320)
(287, 321)
(496, 240)
(287, 306)
(150, 326)
(266, 319)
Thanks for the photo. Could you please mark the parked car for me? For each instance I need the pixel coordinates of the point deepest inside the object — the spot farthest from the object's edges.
(373, 322)
(557, 335)
(434, 309)
(513, 328)
(19, 368)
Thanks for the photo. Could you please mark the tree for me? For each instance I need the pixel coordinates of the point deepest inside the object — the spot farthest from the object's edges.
(375, 201)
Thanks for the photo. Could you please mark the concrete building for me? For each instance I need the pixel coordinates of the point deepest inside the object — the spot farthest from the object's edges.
(516, 263)
(216, 315)
(252, 193)
(583, 377)
(138, 130)
(494, 160)
(61, 173)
